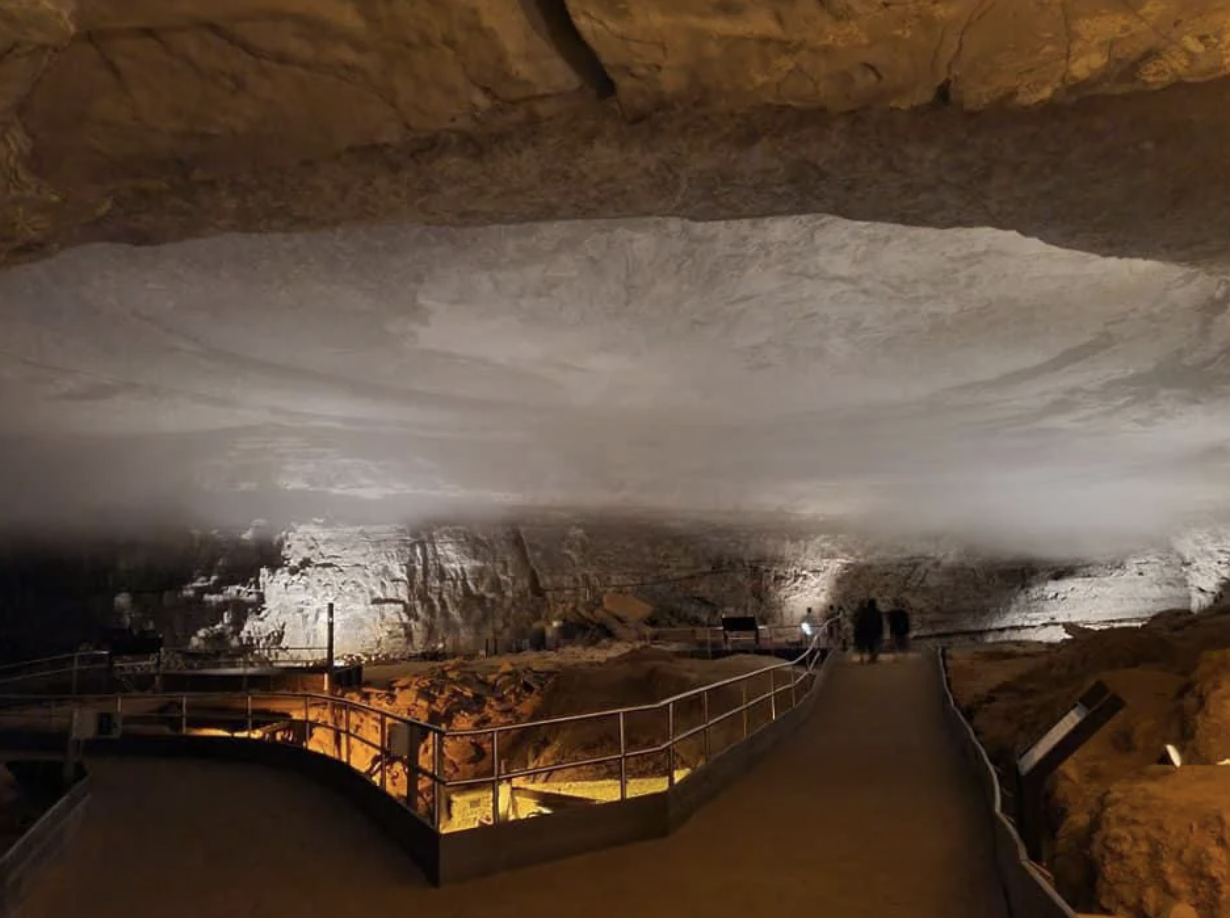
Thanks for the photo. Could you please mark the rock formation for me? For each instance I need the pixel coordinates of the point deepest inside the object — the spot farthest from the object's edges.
(400, 590)
(145, 122)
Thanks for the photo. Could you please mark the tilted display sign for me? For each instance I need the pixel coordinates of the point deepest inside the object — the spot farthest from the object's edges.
(1092, 711)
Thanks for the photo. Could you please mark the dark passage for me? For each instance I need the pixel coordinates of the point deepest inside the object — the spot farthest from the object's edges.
(554, 22)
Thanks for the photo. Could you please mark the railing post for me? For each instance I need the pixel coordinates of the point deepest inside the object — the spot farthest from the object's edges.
(623, 759)
(772, 695)
(744, 706)
(793, 682)
(249, 715)
(183, 715)
(705, 713)
(495, 776)
(346, 721)
(670, 744)
(384, 745)
(437, 768)
(307, 730)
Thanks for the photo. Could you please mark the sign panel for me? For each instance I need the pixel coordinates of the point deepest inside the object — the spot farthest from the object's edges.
(1051, 738)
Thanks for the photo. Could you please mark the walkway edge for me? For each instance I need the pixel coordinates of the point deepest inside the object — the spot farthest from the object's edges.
(1028, 893)
(492, 849)
(459, 856)
(22, 863)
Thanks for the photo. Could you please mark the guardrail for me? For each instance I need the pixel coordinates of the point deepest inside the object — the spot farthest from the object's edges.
(73, 671)
(653, 763)
(651, 747)
(1028, 892)
(188, 658)
(770, 636)
(72, 667)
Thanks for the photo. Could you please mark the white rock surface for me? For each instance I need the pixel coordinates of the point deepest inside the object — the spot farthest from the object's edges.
(398, 590)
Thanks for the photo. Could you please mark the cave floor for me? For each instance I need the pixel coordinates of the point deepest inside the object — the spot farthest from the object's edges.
(867, 811)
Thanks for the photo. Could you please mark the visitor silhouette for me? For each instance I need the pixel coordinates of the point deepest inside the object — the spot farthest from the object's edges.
(868, 632)
(899, 627)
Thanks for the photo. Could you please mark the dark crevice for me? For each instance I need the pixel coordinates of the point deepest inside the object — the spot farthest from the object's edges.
(552, 20)
(535, 582)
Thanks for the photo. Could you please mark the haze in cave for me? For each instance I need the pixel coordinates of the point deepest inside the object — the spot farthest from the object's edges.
(856, 377)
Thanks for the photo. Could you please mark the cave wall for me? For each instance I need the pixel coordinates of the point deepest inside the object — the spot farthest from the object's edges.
(54, 596)
(399, 589)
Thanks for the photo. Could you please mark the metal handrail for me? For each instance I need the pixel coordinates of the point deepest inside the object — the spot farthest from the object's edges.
(38, 701)
(648, 706)
(435, 736)
(22, 664)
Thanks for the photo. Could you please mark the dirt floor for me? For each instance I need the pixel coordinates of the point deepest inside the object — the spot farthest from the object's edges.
(1128, 837)
(866, 812)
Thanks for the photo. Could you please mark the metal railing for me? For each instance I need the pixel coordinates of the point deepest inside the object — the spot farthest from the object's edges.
(71, 669)
(769, 636)
(626, 752)
(66, 666)
(189, 658)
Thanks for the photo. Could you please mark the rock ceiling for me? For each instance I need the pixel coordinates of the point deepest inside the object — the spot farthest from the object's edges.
(1092, 124)
(1010, 323)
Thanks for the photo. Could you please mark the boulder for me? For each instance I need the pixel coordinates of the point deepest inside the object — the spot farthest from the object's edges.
(1206, 710)
(1161, 846)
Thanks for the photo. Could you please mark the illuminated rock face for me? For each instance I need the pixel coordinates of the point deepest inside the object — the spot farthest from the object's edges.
(396, 590)
(400, 590)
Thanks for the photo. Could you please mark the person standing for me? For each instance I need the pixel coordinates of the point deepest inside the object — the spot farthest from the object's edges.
(899, 627)
(869, 632)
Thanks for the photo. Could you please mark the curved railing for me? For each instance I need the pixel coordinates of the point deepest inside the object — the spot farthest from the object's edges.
(652, 746)
(1029, 893)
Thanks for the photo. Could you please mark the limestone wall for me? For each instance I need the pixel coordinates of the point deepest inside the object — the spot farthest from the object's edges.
(398, 589)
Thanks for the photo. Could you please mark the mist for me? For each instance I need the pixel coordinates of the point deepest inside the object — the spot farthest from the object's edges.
(903, 382)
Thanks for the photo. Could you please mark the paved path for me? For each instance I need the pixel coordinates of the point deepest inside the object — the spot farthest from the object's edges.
(865, 812)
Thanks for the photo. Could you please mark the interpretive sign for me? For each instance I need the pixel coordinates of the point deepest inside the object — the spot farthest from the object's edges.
(1050, 739)
(1085, 718)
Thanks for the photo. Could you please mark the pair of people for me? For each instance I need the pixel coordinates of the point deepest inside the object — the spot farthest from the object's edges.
(869, 630)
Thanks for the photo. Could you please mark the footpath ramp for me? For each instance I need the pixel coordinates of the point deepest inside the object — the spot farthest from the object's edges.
(866, 812)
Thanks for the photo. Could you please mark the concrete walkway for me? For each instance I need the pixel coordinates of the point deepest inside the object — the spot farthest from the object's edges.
(867, 811)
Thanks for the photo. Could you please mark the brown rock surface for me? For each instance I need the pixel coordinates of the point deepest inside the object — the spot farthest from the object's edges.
(145, 122)
(1129, 838)
(842, 55)
(1162, 845)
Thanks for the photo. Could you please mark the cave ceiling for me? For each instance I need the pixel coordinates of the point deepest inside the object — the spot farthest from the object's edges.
(940, 266)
